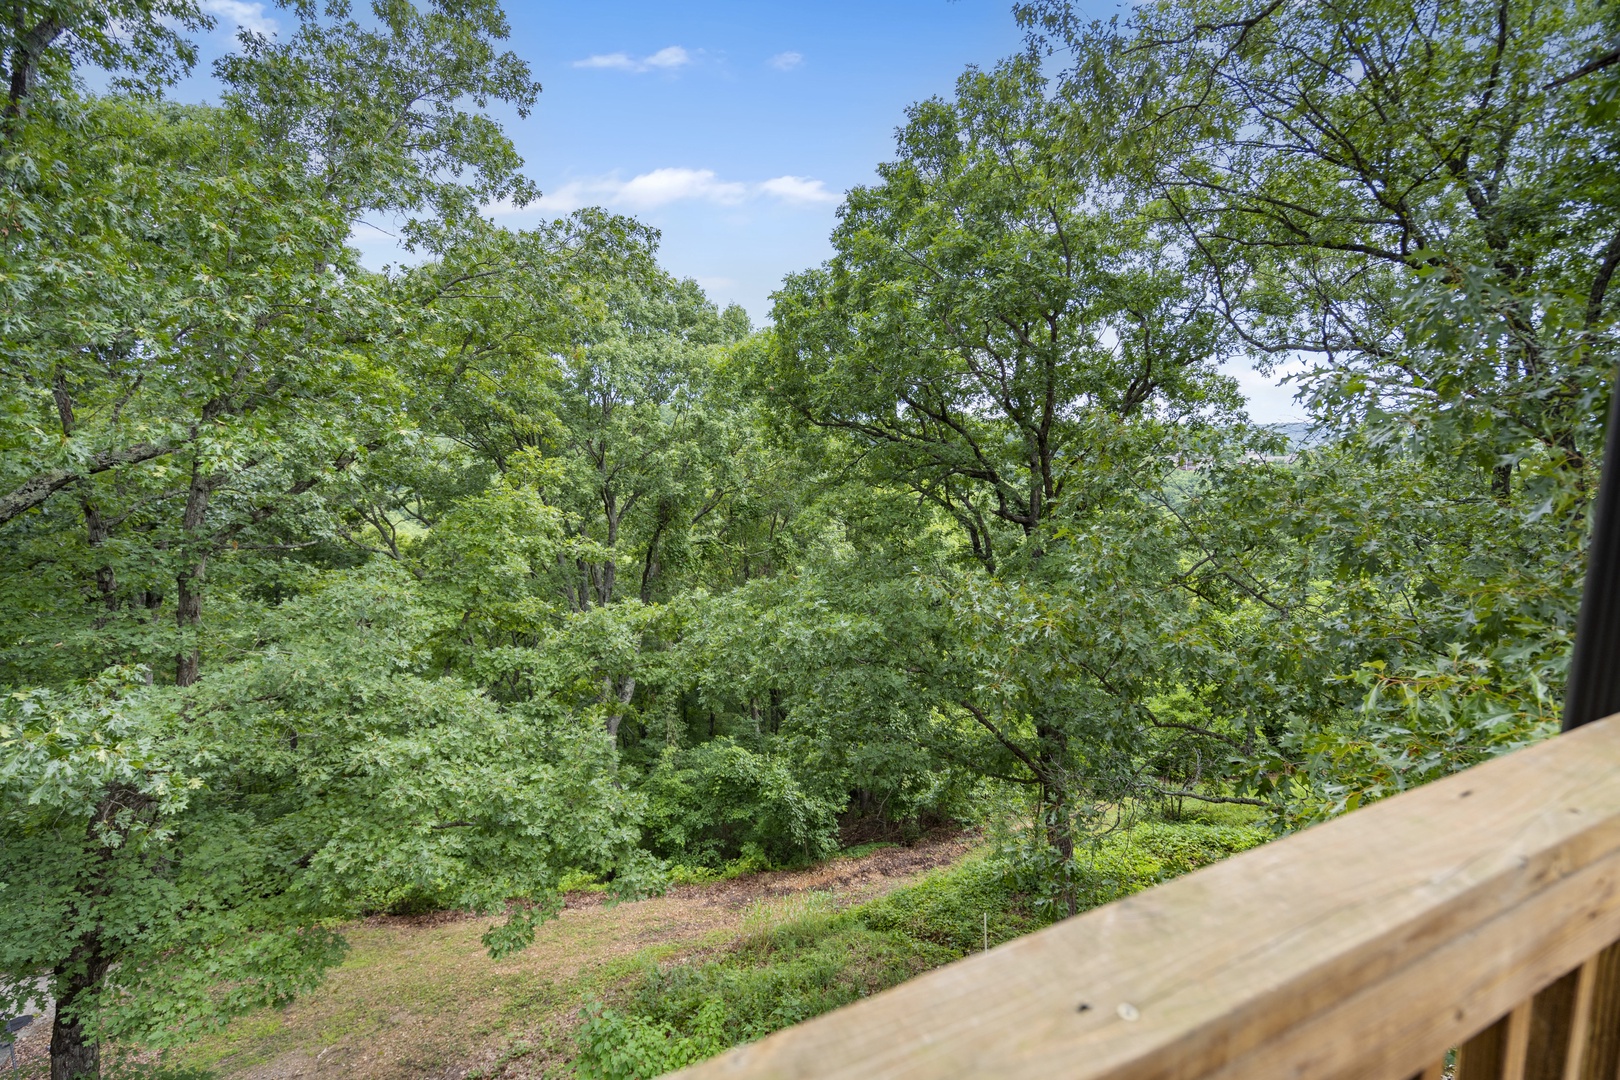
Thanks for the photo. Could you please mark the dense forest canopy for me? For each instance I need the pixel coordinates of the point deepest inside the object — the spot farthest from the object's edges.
(327, 591)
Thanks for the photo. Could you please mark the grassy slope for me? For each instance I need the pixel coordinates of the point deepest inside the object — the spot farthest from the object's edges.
(812, 957)
(419, 997)
(667, 980)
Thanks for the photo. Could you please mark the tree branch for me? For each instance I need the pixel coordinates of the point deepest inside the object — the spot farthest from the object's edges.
(1238, 799)
(37, 489)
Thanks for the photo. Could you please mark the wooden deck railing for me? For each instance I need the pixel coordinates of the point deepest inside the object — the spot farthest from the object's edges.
(1480, 913)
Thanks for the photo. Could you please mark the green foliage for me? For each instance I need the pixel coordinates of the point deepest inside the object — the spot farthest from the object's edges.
(190, 806)
(326, 591)
(1158, 851)
(798, 960)
(955, 909)
(613, 1046)
(98, 806)
(375, 110)
(142, 44)
(1402, 194)
(719, 800)
(1013, 335)
(324, 777)
(1420, 723)
(797, 971)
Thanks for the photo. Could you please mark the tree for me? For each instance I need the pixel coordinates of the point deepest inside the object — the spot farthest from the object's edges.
(1012, 340)
(173, 858)
(182, 320)
(379, 114)
(175, 358)
(1406, 192)
(566, 363)
(1407, 196)
(141, 42)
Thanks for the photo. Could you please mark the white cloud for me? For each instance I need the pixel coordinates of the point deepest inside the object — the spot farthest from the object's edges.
(799, 189)
(666, 59)
(787, 61)
(618, 61)
(645, 192)
(242, 15)
(661, 187)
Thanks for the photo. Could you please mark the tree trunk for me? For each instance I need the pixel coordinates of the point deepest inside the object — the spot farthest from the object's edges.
(1056, 804)
(1502, 483)
(626, 691)
(189, 583)
(25, 57)
(577, 602)
(188, 617)
(651, 567)
(608, 579)
(776, 712)
(97, 533)
(152, 601)
(95, 526)
(74, 1054)
(1060, 835)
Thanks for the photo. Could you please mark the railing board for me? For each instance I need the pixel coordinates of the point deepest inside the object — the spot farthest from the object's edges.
(1581, 1019)
(1300, 958)
(1516, 1043)
(1601, 1053)
(1552, 1026)
(1552, 1021)
(1498, 1052)
(1465, 985)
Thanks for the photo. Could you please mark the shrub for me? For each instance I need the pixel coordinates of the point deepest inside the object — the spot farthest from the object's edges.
(788, 973)
(619, 1046)
(954, 908)
(720, 801)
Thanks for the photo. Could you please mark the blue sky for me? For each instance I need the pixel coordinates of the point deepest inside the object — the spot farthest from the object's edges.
(732, 126)
(735, 126)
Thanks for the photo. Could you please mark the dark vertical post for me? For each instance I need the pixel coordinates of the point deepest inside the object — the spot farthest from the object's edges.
(1594, 671)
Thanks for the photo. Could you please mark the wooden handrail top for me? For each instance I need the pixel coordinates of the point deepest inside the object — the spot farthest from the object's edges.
(1361, 948)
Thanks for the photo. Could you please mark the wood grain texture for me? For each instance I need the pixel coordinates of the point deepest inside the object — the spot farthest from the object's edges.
(1581, 1019)
(1516, 1044)
(1358, 950)
(1601, 1056)
(1483, 1057)
(1446, 997)
(1552, 1026)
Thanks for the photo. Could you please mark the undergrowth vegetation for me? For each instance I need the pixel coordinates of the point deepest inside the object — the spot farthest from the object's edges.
(802, 956)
